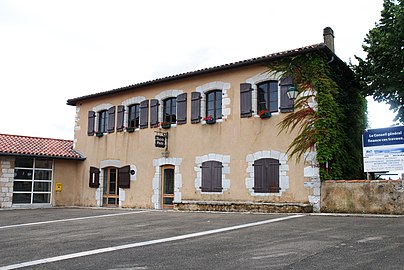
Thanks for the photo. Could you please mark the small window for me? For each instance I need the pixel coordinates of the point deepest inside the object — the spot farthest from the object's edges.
(133, 117)
(102, 121)
(266, 175)
(170, 110)
(267, 96)
(211, 176)
(214, 104)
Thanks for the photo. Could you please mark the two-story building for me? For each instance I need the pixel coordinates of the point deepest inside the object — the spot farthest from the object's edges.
(218, 129)
(201, 140)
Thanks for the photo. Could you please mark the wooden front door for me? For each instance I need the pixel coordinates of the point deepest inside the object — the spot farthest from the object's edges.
(167, 184)
(110, 195)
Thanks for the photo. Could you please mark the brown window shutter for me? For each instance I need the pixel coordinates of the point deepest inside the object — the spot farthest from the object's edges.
(266, 175)
(144, 114)
(91, 122)
(154, 112)
(273, 175)
(217, 176)
(211, 176)
(245, 100)
(111, 119)
(120, 116)
(124, 177)
(286, 103)
(259, 176)
(94, 181)
(206, 177)
(182, 109)
(195, 107)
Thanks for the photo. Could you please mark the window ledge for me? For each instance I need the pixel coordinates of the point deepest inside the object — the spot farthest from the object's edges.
(211, 193)
(203, 122)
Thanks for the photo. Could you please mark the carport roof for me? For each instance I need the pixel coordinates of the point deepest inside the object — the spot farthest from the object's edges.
(16, 145)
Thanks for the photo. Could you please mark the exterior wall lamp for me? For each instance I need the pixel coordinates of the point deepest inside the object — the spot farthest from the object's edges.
(292, 92)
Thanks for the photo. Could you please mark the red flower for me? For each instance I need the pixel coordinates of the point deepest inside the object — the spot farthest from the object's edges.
(262, 112)
(208, 118)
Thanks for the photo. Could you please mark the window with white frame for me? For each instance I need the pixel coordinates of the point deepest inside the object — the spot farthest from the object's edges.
(102, 121)
(133, 116)
(32, 180)
(214, 104)
(267, 96)
(170, 110)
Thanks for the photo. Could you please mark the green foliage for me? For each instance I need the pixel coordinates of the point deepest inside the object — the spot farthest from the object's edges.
(383, 69)
(334, 127)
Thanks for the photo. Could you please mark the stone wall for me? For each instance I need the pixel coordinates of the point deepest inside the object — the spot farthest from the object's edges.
(6, 181)
(228, 206)
(363, 196)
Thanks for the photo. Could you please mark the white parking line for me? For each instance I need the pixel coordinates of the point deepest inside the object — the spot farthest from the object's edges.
(141, 244)
(68, 219)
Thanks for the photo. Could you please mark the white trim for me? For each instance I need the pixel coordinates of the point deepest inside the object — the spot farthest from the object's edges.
(226, 102)
(313, 172)
(164, 95)
(157, 163)
(129, 102)
(224, 159)
(259, 78)
(283, 171)
(34, 168)
(99, 192)
(97, 109)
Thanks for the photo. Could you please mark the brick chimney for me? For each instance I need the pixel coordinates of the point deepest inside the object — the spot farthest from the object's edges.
(328, 35)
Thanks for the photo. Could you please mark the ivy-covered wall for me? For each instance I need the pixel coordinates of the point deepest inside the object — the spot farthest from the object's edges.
(334, 123)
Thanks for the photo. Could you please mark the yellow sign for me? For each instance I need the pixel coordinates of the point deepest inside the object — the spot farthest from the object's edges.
(58, 187)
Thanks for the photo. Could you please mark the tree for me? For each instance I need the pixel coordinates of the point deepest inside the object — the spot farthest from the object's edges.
(383, 69)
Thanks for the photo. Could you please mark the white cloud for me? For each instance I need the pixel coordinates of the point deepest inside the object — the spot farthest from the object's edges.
(55, 50)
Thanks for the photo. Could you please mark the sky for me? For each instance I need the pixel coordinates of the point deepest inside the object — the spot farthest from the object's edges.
(53, 50)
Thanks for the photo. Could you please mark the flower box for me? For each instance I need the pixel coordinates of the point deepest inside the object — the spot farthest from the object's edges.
(99, 134)
(130, 129)
(264, 114)
(209, 120)
(165, 125)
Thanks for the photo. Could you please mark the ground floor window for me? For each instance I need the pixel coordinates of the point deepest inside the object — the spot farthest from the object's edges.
(32, 180)
(266, 175)
(211, 176)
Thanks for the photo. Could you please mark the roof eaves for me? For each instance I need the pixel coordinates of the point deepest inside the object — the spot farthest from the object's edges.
(80, 157)
(247, 62)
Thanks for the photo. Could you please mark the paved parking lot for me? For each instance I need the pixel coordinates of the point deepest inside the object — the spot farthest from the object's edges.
(85, 238)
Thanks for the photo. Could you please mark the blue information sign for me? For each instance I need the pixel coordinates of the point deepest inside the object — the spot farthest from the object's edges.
(383, 136)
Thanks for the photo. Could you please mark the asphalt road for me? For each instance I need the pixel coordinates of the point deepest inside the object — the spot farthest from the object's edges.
(80, 238)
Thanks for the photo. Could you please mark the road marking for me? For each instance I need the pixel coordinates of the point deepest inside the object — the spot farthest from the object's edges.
(69, 219)
(146, 243)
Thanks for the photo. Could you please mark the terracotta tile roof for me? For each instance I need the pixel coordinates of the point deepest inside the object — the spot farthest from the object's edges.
(39, 147)
(253, 61)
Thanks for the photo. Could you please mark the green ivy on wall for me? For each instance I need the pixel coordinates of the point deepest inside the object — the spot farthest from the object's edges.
(330, 114)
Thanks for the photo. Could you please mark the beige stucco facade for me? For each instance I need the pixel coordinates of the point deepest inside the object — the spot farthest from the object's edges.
(234, 141)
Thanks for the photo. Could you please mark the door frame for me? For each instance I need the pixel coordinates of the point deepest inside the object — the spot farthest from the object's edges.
(163, 168)
(105, 193)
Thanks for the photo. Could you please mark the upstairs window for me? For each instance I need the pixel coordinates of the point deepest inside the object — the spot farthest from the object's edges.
(170, 110)
(214, 104)
(102, 121)
(267, 96)
(133, 116)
